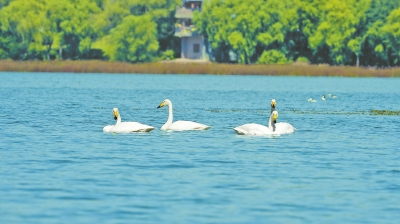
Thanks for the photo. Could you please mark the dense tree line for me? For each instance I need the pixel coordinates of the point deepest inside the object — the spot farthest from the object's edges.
(336, 32)
(123, 30)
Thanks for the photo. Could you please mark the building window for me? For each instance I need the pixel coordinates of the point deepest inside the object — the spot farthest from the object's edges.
(196, 48)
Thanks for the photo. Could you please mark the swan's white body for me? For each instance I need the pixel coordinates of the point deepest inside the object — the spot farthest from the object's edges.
(284, 128)
(179, 125)
(272, 129)
(311, 100)
(254, 129)
(126, 127)
(258, 129)
(323, 97)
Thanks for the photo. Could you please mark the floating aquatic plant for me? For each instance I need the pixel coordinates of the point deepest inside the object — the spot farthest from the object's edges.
(330, 112)
(238, 110)
(385, 112)
(371, 112)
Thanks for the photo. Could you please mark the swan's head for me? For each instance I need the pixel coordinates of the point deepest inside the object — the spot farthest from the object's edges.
(166, 102)
(274, 116)
(273, 103)
(116, 113)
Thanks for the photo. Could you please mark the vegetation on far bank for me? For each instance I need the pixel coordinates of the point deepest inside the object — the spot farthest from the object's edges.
(93, 66)
(334, 32)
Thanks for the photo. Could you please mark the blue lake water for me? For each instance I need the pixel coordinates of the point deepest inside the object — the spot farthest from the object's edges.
(342, 165)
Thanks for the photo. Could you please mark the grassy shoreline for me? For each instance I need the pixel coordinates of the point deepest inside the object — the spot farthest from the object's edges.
(93, 66)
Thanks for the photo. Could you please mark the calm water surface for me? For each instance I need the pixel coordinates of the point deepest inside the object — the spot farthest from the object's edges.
(342, 165)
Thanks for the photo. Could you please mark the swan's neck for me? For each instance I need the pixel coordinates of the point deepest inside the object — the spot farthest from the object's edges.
(271, 124)
(272, 109)
(118, 119)
(170, 117)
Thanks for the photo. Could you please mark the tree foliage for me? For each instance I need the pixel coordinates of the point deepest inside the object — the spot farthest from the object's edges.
(68, 29)
(325, 31)
(337, 32)
(129, 40)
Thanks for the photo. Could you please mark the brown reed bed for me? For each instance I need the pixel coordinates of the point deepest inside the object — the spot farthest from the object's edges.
(93, 66)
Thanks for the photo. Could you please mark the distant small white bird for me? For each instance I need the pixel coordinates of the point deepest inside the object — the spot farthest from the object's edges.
(331, 96)
(323, 97)
(311, 100)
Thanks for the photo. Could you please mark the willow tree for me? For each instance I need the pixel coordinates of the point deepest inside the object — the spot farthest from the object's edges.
(134, 40)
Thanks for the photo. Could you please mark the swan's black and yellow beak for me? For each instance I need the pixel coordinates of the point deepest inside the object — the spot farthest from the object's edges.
(273, 104)
(161, 105)
(275, 117)
(115, 115)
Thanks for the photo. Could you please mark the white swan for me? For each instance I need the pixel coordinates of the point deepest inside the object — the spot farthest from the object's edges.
(323, 97)
(282, 127)
(126, 127)
(311, 100)
(272, 129)
(179, 125)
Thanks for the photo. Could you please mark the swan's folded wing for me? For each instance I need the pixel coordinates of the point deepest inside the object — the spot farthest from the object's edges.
(107, 128)
(253, 129)
(145, 128)
(126, 127)
(284, 128)
(187, 125)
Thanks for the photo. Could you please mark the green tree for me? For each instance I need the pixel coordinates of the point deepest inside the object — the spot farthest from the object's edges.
(272, 57)
(166, 29)
(391, 32)
(213, 22)
(77, 31)
(375, 49)
(36, 24)
(22, 19)
(336, 27)
(229, 30)
(160, 12)
(355, 46)
(249, 30)
(279, 28)
(4, 3)
(134, 40)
